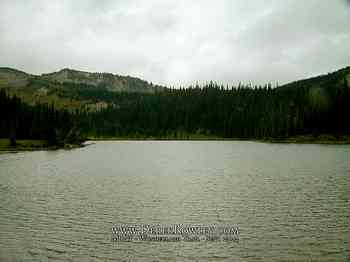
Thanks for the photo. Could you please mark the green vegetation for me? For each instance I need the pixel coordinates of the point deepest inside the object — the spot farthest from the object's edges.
(20, 122)
(213, 111)
(5, 145)
(69, 105)
(71, 89)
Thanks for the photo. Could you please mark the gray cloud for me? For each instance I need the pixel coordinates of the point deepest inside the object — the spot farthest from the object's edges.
(178, 42)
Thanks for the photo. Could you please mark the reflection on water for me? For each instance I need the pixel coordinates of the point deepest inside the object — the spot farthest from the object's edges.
(291, 202)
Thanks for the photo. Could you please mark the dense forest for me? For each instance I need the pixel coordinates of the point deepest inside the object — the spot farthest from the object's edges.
(213, 110)
(40, 122)
(315, 106)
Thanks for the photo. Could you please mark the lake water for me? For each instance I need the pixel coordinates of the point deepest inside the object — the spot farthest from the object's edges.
(290, 202)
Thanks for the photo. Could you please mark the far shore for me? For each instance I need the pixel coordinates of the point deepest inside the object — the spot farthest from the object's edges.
(32, 145)
(40, 145)
(307, 139)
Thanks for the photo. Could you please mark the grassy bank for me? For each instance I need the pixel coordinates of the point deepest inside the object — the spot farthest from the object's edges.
(31, 145)
(23, 145)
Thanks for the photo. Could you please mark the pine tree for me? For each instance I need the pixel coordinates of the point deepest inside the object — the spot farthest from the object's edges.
(346, 87)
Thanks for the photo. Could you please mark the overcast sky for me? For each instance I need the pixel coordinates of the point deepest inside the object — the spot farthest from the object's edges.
(177, 42)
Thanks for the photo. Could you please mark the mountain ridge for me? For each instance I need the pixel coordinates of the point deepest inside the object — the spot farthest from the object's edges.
(57, 75)
(339, 74)
(112, 82)
(68, 88)
(73, 89)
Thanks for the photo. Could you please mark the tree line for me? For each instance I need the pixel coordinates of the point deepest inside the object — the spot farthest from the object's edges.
(213, 110)
(39, 122)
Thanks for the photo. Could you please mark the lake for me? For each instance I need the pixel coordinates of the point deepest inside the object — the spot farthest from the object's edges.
(290, 202)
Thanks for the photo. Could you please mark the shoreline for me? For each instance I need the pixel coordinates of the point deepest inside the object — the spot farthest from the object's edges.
(23, 145)
(41, 145)
(322, 140)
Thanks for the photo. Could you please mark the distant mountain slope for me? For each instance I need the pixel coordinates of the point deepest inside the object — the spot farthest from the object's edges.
(71, 88)
(105, 80)
(335, 79)
(12, 78)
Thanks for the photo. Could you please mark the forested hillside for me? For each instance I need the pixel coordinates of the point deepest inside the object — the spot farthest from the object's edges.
(313, 107)
(243, 112)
